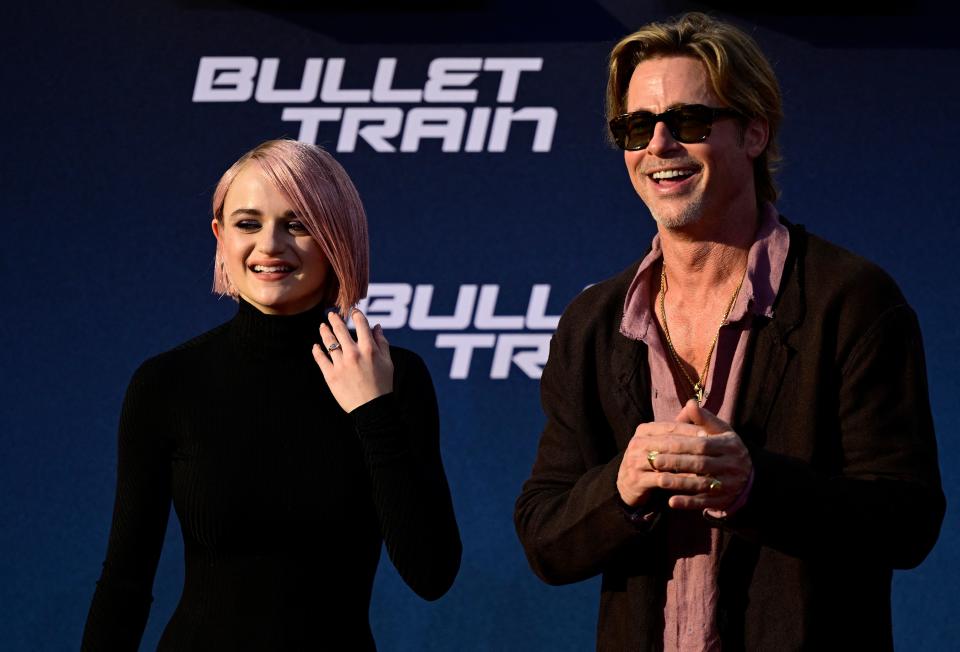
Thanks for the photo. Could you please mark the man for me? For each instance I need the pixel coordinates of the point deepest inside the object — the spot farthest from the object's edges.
(738, 434)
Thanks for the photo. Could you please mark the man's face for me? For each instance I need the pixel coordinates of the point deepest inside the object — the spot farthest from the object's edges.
(681, 183)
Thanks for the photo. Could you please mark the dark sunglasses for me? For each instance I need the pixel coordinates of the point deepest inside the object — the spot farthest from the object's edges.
(688, 123)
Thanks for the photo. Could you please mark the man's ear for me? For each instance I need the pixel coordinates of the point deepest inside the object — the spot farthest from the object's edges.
(755, 137)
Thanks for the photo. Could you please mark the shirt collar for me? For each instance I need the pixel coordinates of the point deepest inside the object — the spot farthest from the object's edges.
(765, 262)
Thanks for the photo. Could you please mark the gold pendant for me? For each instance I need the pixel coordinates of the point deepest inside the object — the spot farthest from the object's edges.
(698, 393)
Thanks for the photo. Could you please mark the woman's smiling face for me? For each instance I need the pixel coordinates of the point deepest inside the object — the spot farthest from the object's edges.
(270, 257)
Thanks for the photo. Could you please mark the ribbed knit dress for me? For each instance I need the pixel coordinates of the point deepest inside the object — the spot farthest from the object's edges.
(283, 498)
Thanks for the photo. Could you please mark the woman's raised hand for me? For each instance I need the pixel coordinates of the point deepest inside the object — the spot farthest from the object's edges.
(356, 372)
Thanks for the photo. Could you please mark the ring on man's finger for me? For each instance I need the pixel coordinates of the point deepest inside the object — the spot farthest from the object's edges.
(714, 485)
(333, 347)
(651, 458)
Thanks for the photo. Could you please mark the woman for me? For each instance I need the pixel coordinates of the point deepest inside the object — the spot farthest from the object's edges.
(287, 463)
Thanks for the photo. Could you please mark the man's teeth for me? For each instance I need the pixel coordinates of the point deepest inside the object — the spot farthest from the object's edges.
(272, 268)
(670, 174)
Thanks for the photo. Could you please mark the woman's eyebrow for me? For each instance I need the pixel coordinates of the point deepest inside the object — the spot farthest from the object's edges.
(256, 212)
(253, 212)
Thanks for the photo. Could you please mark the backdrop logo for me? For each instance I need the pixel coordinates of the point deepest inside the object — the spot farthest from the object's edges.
(519, 342)
(389, 119)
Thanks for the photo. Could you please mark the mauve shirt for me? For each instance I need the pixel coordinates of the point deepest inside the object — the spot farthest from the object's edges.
(692, 544)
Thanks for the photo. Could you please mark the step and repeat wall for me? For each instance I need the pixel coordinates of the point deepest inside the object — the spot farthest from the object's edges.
(476, 137)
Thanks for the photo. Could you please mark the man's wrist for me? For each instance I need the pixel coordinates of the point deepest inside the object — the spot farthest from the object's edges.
(646, 512)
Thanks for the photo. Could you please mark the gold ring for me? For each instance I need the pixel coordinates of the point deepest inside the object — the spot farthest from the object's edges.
(651, 458)
(333, 347)
(714, 484)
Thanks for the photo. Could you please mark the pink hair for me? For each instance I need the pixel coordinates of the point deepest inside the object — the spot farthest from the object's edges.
(324, 199)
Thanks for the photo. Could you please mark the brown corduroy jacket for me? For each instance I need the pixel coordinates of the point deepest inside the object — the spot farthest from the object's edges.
(834, 408)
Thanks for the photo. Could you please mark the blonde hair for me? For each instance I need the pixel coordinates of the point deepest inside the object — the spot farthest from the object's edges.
(739, 74)
(324, 199)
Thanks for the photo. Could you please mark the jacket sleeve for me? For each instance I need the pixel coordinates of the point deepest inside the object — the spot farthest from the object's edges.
(569, 516)
(400, 436)
(881, 500)
(121, 602)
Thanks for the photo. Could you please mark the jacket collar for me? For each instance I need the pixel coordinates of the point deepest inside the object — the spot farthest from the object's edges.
(772, 349)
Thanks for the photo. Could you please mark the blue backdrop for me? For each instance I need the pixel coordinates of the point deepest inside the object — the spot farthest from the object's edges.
(492, 198)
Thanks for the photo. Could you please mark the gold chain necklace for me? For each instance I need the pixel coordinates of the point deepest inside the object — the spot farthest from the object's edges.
(700, 385)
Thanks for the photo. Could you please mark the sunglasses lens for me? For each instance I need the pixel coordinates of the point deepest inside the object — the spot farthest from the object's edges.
(689, 125)
(632, 131)
(639, 133)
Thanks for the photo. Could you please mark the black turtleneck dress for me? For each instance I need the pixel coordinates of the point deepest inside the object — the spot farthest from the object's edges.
(283, 498)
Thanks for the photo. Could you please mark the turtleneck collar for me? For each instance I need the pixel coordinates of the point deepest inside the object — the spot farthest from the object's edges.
(277, 333)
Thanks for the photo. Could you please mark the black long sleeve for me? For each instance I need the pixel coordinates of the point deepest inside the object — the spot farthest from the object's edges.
(284, 500)
(407, 483)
